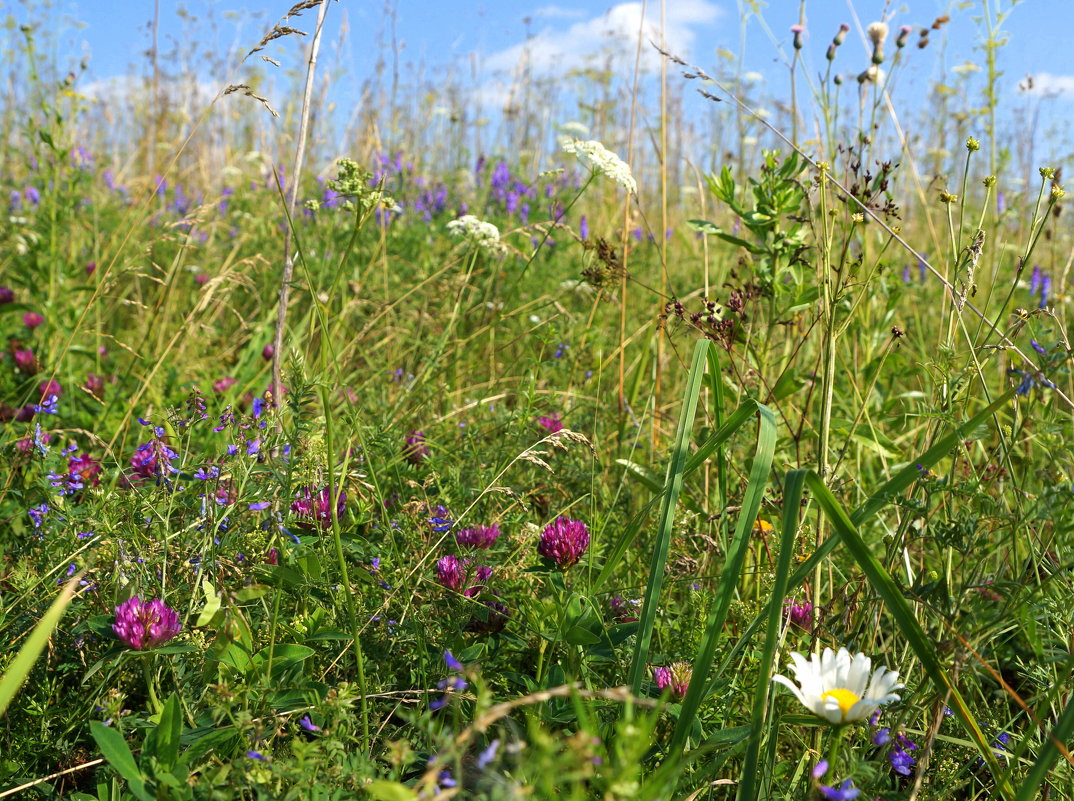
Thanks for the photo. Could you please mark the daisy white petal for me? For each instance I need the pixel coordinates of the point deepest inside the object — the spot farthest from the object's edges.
(839, 687)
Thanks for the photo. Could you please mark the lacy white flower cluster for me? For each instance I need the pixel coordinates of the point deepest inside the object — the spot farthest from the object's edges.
(483, 234)
(601, 161)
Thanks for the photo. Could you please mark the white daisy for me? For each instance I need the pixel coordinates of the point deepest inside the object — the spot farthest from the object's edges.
(838, 687)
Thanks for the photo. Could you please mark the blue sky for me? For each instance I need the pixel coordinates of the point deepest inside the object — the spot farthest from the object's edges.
(487, 39)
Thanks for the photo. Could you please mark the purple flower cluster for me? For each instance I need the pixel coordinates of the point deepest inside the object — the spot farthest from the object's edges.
(551, 424)
(483, 537)
(145, 624)
(674, 678)
(314, 509)
(564, 542)
(415, 450)
(799, 614)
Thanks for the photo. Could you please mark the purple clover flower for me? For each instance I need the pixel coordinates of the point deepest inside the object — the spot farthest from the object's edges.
(415, 450)
(142, 625)
(478, 537)
(551, 424)
(564, 542)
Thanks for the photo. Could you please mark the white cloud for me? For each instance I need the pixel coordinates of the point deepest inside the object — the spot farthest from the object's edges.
(558, 12)
(556, 50)
(1044, 83)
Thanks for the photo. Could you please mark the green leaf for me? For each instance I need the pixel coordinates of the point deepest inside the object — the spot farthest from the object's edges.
(211, 606)
(384, 790)
(115, 749)
(163, 740)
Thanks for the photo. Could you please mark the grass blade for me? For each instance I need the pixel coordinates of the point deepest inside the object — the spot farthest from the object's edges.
(23, 663)
(672, 489)
(736, 556)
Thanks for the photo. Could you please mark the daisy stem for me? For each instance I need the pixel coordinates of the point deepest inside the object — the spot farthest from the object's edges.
(834, 750)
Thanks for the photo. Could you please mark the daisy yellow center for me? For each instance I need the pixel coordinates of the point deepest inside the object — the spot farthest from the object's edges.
(845, 698)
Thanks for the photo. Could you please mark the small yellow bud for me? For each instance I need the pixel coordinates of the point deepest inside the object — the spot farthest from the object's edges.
(972, 145)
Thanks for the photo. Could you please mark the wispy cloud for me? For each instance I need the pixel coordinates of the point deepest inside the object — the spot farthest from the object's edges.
(556, 49)
(610, 38)
(1044, 83)
(558, 12)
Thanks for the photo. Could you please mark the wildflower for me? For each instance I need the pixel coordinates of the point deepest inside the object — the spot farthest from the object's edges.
(800, 615)
(441, 520)
(487, 755)
(904, 34)
(478, 537)
(7, 295)
(415, 450)
(32, 320)
(844, 792)
(25, 360)
(315, 509)
(267, 352)
(601, 161)
(50, 388)
(838, 687)
(841, 34)
(145, 624)
(797, 30)
(257, 755)
(153, 458)
(307, 724)
(621, 612)
(878, 33)
(564, 542)
(551, 424)
(675, 677)
(224, 384)
(85, 469)
(37, 514)
(484, 235)
(94, 385)
(451, 572)
(49, 405)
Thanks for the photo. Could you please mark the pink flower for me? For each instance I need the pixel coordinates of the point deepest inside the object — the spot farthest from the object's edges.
(267, 351)
(315, 509)
(86, 469)
(478, 537)
(552, 424)
(451, 572)
(800, 615)
(224, 384)
(32, 320)
(675, 677)
(25, 360)
(564, 541)
(141, 625)
(50, 388)
(415, 450)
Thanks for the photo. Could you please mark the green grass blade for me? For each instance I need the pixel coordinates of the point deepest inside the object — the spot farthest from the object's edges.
(1064, 729)
(736, 556)
(792, 496)
(673, 487)
(24, 661)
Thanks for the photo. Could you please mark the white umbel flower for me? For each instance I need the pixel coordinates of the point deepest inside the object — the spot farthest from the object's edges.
(840, 688)
(483, 234)
(601, 161)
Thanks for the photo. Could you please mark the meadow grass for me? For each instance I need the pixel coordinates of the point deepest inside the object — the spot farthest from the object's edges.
(570, 445)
